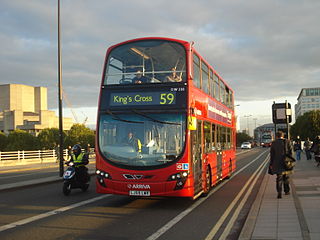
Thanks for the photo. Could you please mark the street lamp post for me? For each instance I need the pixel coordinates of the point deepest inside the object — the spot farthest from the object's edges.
(247, 116)
(255, 126)
(61, 170)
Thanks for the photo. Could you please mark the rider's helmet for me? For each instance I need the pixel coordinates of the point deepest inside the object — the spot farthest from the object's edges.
(76, 149)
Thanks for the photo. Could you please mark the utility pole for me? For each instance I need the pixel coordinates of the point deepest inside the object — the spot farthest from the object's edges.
(255, 126)
(61, 169)
(247, 116)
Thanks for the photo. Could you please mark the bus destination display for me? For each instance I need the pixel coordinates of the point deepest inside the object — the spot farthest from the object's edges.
(142, 98)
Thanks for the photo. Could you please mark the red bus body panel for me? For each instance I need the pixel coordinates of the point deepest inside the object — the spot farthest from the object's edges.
(156, 181)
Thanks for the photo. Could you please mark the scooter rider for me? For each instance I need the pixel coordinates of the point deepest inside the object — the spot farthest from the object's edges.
(80, 159)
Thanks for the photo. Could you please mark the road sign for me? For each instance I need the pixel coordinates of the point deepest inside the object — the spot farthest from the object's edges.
(281, 113)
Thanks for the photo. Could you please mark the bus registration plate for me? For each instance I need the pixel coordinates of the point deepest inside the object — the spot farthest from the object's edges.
(139, 193)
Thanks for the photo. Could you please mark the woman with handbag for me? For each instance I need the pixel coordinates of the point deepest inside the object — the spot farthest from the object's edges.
(280, 148)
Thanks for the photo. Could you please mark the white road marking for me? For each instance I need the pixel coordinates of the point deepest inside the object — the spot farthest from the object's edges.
(176, 219)
(217, 226)
(48, 214)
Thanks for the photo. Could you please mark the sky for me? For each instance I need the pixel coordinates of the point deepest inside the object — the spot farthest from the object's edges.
(266, 50)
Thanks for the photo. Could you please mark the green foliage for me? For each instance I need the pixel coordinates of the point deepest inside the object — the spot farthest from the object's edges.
(307, 125)
(3, 141)
(49, 138)
(80, 134)
(242, 137)
(21, 140)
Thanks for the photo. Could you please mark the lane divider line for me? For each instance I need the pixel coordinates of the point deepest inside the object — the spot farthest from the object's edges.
(236, 213)
(50, 213)
(154, 236)
(180, 216)
(217, 226)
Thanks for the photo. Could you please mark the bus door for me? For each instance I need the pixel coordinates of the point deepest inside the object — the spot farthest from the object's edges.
(219, 149)
(219, 163)
(196, 153)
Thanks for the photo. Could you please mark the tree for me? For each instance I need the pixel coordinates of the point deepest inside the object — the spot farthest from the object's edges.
(49, 138)
(3, 141)
(80, 134)
(307, 125)
(21, 140)
(242, 137)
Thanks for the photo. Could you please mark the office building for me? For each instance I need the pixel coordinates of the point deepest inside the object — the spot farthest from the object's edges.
(25, 107)
(308, 100)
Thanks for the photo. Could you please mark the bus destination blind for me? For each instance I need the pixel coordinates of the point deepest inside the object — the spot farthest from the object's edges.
(142, 98)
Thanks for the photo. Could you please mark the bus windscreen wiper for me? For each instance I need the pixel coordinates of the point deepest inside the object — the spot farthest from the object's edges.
(115, 117)
(153, 119)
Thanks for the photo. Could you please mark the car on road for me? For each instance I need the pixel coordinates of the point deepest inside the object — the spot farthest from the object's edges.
(246, 145)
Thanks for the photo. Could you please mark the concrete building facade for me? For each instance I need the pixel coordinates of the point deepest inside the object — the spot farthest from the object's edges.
(25, 107)
(308, 100)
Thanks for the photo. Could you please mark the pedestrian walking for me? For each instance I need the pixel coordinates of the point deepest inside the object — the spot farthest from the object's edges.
(297, 148)
(315, 148)
(307, 147)
(279, 149)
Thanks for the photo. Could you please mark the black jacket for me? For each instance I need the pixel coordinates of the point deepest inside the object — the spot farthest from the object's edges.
(316, 146)
(278, 149)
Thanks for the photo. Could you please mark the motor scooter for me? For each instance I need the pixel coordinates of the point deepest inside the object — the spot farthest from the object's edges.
(71, 179)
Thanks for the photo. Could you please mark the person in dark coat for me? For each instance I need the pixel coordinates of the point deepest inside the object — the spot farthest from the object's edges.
(279, 148)
(307, 147)
(315, 148)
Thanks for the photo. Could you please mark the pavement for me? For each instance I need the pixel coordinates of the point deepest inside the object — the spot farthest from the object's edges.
(295, 216)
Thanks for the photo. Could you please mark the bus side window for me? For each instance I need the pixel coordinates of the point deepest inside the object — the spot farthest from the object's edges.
(207, 137)
(228, 138)
(213, 137)
(223, 137)
(205, 78)
(219, 133)
(216, 88)
(211, 82)
(196, 71)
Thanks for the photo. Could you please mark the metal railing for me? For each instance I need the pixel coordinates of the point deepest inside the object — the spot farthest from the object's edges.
(38, 155)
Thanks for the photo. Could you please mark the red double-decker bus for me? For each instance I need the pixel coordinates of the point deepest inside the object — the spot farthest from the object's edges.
(166, 123)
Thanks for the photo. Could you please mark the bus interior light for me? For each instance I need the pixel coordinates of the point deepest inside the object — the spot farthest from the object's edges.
(140, 53)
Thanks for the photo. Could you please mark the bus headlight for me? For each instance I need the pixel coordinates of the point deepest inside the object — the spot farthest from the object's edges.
(180, 178)
(101, 176)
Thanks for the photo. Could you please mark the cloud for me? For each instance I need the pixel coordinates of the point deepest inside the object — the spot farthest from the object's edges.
(263, 49)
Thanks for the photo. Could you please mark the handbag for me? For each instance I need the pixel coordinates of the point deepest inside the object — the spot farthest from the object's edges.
(289, 161)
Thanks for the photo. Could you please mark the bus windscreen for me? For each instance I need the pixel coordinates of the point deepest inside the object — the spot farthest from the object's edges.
(152, 61)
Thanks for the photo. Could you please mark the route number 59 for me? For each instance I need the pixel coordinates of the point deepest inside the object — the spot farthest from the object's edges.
(166, 98)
